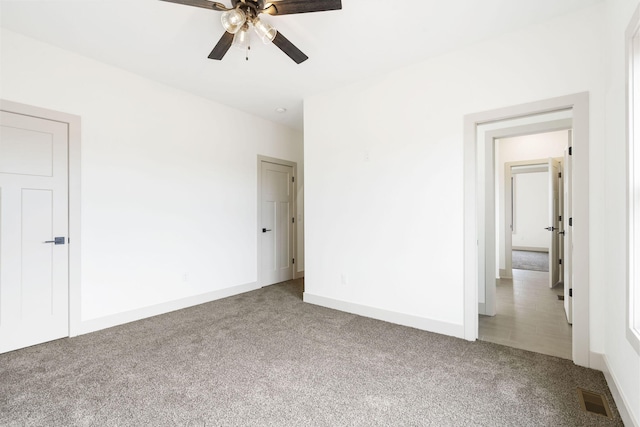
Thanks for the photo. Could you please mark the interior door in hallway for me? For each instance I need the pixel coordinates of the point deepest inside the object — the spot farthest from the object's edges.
(34, 291)
(554, 222)
(568, 236)
(276, 223)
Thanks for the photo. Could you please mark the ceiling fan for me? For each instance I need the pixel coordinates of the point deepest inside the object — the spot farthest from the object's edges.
(243, 13)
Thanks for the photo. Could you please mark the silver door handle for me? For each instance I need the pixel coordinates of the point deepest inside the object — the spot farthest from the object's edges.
(56, 241)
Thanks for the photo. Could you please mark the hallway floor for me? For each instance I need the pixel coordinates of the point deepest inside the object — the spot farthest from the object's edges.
(529, 316)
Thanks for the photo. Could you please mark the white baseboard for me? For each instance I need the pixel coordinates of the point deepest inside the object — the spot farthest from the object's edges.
(505, 274)
(482, 308)
(600, 362)
(93, 325)
(529, 249)
(596, 361)
(403, 319)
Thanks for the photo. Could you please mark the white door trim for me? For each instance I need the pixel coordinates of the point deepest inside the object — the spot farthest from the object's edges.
(294, 211)
(489, 244)
(579, 106)
(508, 208)
(73, 123)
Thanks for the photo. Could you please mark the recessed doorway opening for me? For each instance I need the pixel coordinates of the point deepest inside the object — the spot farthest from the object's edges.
(530, 177)
(482, 267)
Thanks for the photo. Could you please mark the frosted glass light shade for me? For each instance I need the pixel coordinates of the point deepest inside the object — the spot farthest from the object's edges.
(241, 39)
(266, 32)
(233, 20)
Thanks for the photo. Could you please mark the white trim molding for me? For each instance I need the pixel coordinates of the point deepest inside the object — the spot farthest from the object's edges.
(530, 249)
(474, 232)
(74, 140)
(632, 39)
(506, 273)
(601, 363)
(94, 325)
(294, 213)
(403, 319)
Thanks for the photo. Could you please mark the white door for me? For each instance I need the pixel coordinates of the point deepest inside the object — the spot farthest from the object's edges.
(554, 222)
(568, 242)
(561, 223)
(276, 223)
(34, 290)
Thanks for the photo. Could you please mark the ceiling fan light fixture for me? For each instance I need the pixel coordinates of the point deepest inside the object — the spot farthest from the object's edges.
(242, 14)
(233, 20)
(241, 38)
(266, 32)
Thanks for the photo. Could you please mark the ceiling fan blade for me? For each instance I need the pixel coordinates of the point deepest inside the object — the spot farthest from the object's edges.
(222, 47)
(289, 48)
(200, 3)
(288, 7)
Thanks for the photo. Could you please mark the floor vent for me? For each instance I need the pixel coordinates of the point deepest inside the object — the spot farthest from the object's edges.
(594, 403)
(561, 297)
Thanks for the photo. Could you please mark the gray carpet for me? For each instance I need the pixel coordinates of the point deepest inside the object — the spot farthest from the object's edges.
(265, 358)
(530, 260)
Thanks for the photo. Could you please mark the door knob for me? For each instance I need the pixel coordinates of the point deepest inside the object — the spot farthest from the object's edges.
(264, 230)
(550, 228)
(561, 232)
(56, 241)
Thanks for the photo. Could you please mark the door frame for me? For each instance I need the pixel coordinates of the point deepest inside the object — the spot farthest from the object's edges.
(74, 160)
(508, 209)
(475, 232)
(487, 198)
(542, 166)
(294, 212)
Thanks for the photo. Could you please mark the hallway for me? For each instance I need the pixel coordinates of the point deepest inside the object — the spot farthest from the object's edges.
(529, 316)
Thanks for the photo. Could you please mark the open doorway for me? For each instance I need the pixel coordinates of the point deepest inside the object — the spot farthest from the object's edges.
(529, 292)
(480, 251)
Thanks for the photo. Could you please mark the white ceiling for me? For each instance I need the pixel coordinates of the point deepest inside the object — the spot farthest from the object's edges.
(170, 42)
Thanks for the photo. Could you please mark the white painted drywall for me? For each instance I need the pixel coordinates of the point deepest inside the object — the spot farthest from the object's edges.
(383, 162)
(518, 149)
(169, 180)
(531, 210)
(384, 173)
(622, 360)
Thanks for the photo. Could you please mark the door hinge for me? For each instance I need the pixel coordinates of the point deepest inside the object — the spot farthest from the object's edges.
(571, 151)
(559, 174)
(293, 179)
(571, 221)
(570, 292)
(560, 261)
(560, 218)
(293, 220)
(293, 261)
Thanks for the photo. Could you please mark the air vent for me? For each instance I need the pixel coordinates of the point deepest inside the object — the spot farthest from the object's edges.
(594, 403)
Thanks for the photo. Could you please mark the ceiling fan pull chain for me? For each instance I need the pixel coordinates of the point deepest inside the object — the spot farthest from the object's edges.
(243, 13)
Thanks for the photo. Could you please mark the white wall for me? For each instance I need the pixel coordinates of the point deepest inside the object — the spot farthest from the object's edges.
(623, 362)
(169, 180)
(384, 172)
(531, 210)
(383, 161)
(517, 149)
